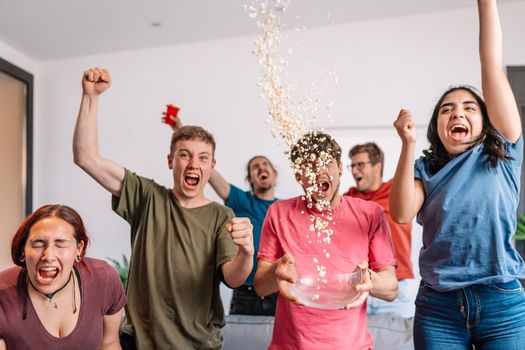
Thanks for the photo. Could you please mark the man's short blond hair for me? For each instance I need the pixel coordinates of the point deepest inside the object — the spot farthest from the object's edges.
(192, 132)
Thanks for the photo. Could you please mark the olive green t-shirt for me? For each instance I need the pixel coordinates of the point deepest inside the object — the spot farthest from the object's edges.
(173, 287)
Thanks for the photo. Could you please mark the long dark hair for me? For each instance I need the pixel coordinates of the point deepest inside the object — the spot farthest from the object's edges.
(494, 145)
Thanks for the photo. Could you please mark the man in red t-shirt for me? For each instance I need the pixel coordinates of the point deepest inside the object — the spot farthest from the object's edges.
(367, 169)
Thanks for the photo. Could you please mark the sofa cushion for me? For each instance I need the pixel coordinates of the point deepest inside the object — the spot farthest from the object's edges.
(391, 333)
(255, 332)
(247, 332)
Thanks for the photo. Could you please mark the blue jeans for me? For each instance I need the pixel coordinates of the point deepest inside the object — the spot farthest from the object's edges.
(488, 316)
(402, 306)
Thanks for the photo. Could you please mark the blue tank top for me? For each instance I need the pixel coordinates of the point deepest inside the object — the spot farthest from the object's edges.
(469, 218)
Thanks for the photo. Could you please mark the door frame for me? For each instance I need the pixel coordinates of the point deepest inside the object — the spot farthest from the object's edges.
(27, 79)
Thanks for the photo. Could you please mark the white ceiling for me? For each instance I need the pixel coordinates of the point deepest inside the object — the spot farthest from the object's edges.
(54, 29)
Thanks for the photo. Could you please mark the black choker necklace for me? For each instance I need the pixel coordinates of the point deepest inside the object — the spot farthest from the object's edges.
(49, 296)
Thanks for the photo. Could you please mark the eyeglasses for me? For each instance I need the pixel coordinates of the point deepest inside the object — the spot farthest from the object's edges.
(358, 165)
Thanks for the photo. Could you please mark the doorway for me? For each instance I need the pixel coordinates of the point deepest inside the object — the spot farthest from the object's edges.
(16, 115)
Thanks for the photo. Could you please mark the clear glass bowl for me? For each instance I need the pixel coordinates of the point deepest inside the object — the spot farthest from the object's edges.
(321, 283)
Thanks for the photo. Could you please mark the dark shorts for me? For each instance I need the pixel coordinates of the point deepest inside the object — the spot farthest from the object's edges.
(127, 341)
(246, 302)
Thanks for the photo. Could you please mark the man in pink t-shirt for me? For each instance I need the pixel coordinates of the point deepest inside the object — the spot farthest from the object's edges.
(338, 232)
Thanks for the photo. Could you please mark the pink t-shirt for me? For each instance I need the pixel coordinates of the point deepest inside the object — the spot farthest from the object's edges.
(360, 233)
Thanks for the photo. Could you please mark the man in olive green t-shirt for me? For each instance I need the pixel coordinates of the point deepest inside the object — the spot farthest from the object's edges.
(183, 244)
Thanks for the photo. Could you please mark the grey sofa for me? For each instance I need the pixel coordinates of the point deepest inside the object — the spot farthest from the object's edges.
(254, 332)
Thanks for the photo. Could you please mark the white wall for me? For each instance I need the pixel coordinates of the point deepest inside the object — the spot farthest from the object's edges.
(381, 65)
(17, 58)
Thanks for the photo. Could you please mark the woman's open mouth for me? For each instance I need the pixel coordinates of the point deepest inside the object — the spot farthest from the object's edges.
(458, 132)
(48, 273)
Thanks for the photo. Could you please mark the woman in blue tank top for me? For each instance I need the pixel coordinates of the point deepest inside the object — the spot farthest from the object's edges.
(465, 193)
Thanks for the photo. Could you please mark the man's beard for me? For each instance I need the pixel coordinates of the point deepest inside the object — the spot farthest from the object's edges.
(263, 189)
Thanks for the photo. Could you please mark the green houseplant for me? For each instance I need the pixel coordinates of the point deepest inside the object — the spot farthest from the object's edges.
(520, 229)
(519, 236)
(122, 268)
